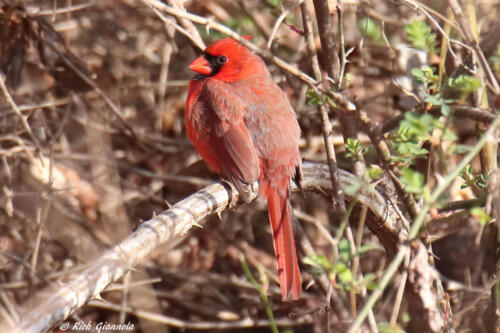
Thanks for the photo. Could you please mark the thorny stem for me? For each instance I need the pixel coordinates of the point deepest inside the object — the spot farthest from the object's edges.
(382, 149)
(392, 268)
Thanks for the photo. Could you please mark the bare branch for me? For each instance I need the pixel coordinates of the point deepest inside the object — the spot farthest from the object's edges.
(175, 222)
(422, 297)
(338, 196)
(325, 28)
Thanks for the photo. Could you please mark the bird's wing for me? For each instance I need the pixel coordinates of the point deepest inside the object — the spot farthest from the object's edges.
(222, 125)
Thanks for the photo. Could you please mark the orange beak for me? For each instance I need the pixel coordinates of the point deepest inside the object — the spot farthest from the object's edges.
(201, 65)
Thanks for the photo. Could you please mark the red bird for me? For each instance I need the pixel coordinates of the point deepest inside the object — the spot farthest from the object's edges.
(243, 126)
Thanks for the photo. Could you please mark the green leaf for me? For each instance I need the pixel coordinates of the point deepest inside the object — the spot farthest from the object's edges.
(463, 149)
(370, 281)
(479, 214)
(421, 36)
(368, 247)
(434, 99)
(413, 181)
(274, 3)
(372, 285)
(445, 110)
(427, 77)
(448, 135)
(465, 83)
(353, 145)
(343, 272)
(355, 184)
(344, 249)
(467, 170)
(374, 172)
(417, 125)
(313, 98)
(437, 100)
(354, 149)
(481, 181)
(419, 75)
(318, 260)
(371, 30)
(410, 149)
(388, 328)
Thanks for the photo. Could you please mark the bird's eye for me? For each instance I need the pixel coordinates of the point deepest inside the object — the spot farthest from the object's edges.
(221, 60)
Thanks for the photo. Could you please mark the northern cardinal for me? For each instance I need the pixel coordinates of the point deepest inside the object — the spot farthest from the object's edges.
(243, 126)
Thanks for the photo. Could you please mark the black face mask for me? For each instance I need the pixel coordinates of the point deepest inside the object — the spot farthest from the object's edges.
(215, 61)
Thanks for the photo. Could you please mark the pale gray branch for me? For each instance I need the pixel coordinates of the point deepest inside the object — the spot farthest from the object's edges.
(59, 302)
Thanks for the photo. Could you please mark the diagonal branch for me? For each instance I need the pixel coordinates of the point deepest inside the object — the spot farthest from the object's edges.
(60, 301)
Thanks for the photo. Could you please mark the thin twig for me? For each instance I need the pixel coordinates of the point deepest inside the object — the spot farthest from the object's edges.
(186, 23)
(338, 196)
(211, 24)
(61, 51)
(462, 21)
(399, 294)
(382, 149)
(343, 60)
(459, 111)
(202, 325)
(356, 270)
(340, 99)
(418, 7)
(16, 109)
(9, 306)
(277, 24)
(332, 296)
(64, 10)
(392, 268)
(199, 44)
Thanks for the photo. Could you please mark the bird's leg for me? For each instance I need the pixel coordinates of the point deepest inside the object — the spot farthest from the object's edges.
(247, 192)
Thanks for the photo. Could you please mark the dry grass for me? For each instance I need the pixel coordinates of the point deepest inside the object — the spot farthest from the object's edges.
(92, 143)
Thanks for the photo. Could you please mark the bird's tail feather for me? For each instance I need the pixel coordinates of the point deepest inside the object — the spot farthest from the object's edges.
(284, 241)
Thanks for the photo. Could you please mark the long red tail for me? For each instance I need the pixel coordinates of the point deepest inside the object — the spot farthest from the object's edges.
(284, 242)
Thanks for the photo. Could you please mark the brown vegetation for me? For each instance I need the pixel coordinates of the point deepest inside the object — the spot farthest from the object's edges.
(93, 152)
